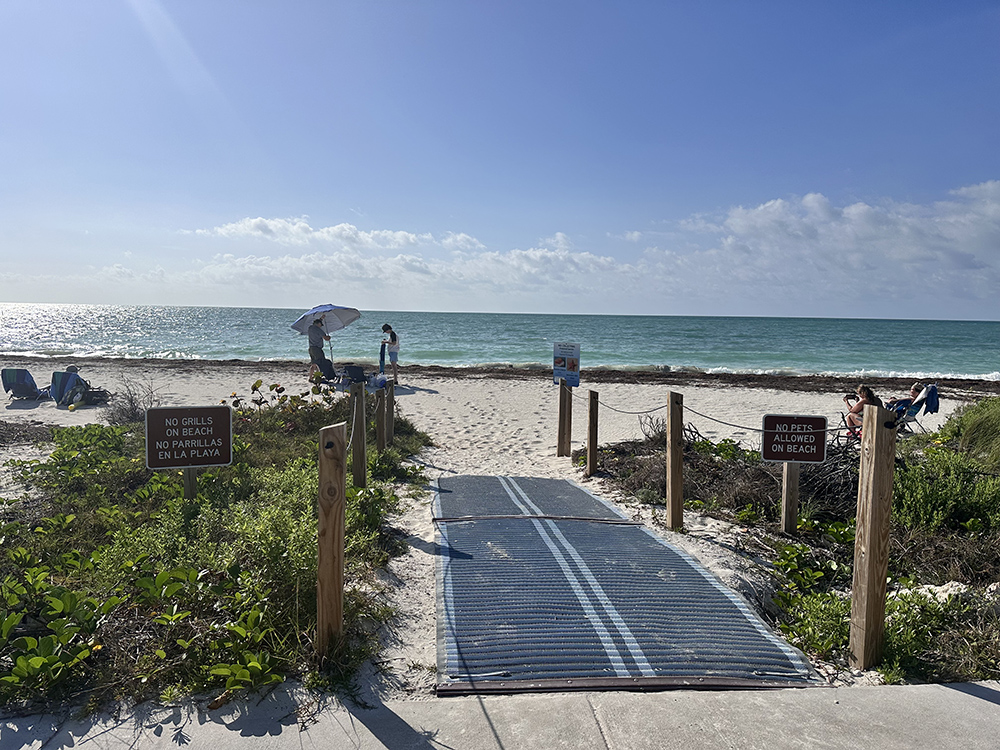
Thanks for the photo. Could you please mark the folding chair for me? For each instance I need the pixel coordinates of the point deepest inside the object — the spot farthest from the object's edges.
(353, 374)
(19, 384)
(928, 401)
(63, 383)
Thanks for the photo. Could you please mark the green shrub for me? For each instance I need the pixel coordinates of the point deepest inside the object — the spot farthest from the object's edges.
(818, 623)
(212, 588)
(976, 429)
(945, 490)
(913, 625)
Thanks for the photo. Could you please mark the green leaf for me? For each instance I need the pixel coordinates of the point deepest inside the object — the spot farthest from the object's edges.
(9, 623)
(172, 589)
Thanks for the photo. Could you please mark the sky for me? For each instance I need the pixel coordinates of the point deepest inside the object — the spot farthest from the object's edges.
(711, 157)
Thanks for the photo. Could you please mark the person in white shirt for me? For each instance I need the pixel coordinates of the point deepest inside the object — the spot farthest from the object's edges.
(391, 341)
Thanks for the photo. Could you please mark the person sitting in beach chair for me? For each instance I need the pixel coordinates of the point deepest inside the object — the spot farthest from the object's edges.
(907, 409)
(856, 403)
(69, 389)
(898, 404)
(20, 385)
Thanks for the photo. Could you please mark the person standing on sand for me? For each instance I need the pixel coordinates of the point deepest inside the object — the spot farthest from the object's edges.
(391, 342)
(316, 356)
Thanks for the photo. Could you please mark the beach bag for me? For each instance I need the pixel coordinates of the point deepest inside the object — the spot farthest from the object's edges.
(95, 396)
(75, 394)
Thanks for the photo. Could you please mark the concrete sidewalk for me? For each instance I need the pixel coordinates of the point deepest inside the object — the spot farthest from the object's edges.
(961, 715)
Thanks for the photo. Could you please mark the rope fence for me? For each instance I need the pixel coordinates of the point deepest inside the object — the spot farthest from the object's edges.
(688, 408)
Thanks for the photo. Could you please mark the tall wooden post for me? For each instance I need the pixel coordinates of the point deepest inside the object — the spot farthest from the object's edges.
(564, 438)
(790, 497)
(390, 412)
(380, 420)
(675, 462)
(871, 544)
(331, 525)
(592, 435)
(358, 442)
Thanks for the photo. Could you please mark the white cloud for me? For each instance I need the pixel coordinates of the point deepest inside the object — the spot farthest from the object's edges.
(461, 241)
(297, 231)
(862, 258)
(558, 241)
(787, 256)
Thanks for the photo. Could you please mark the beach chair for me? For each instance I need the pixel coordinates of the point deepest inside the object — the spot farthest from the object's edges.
(19, 384)
(906, 413)
(846, 434)
(353, 374)
(69, 388)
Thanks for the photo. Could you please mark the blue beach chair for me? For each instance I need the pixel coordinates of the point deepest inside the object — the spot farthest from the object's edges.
(19, 384)
(69, 388)
(63, 383)
(906, 413)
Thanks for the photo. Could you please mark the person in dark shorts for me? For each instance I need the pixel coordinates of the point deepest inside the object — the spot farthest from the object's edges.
(316, 338)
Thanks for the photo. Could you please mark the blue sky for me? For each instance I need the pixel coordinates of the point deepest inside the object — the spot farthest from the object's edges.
(732, 158)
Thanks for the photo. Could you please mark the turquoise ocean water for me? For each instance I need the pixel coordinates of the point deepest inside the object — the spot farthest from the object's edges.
(878, 348)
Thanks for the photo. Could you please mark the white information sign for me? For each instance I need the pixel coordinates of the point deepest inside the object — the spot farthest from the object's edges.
(566, 364)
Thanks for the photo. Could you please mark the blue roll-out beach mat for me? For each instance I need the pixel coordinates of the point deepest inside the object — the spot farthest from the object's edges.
(542, 586)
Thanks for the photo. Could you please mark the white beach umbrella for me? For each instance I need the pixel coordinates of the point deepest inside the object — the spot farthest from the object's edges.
(334, 318)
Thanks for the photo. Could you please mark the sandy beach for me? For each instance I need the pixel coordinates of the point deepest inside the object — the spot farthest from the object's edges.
(509, 413)
(500, 422)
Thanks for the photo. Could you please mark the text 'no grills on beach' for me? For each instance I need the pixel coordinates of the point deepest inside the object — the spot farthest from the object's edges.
(189, 437)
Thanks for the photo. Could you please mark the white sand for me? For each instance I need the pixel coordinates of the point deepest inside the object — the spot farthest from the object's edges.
(483, 425)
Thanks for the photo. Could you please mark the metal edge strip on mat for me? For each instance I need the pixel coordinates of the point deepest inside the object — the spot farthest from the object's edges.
(595, 684)
(439, 588)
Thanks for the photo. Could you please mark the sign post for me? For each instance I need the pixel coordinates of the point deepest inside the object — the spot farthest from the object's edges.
(188, 438)
(793, 440)
(566, 364)
(565, 373)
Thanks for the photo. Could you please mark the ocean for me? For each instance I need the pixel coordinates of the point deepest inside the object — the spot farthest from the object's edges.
(924, 349)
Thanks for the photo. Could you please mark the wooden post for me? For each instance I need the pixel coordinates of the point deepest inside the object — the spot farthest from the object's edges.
(871, 544)
(390, 413)
(331, 524)
(380, 420)
(358, 442)
(790, 497)
(564, 438)
(592, 435)
(190, 483)
(675, 460)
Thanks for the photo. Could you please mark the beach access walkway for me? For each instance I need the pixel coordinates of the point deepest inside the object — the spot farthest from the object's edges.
(898, 717)
(543, 586)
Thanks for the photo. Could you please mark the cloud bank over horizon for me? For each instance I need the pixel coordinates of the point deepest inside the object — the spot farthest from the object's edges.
(787, 256)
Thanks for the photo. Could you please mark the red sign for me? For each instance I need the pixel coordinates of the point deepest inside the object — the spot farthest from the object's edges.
(791, 437)
(189, 437)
